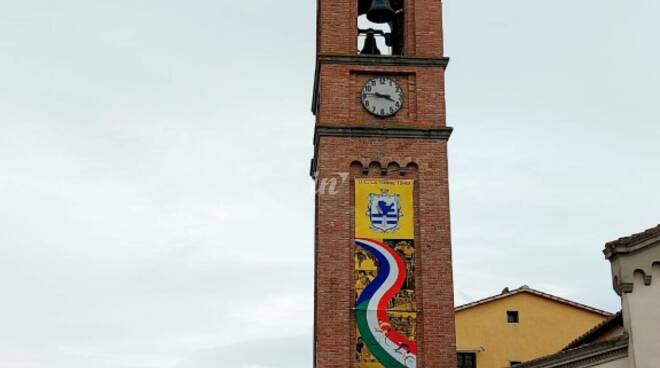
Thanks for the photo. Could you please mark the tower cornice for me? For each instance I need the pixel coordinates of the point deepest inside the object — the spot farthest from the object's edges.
(415, 133)
(383, 60)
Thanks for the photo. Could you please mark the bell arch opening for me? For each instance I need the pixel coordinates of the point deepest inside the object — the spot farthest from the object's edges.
(380, 27)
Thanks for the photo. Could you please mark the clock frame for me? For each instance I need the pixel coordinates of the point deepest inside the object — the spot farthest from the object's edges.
(382, 97)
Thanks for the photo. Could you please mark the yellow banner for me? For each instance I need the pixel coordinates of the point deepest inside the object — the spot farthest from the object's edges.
(384, 209)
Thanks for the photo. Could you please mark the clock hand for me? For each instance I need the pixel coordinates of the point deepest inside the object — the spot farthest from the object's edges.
(387, 97)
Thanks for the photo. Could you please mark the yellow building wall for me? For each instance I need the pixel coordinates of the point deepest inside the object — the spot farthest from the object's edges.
(545, 326)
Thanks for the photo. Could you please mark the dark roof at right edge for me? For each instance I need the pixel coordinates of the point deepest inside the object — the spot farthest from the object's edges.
(633, 242)
(583, 356)
(594, 333)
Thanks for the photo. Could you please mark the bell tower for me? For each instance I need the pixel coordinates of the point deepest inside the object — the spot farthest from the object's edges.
(383, 268)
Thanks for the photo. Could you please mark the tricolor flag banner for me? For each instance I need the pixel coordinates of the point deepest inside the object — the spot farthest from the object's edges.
(386, 311)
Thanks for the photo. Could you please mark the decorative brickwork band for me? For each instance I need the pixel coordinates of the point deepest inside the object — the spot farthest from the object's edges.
(439, 133)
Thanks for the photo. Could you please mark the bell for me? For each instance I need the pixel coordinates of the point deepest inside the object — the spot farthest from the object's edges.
(370, 46)
(381, 11)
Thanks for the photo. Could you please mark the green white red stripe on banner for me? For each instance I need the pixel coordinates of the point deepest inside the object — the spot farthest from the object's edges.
(388, 347)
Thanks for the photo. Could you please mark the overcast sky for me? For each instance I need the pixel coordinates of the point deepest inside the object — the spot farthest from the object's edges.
(155, 204)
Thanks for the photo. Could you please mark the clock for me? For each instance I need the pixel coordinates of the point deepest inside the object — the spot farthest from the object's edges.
(382, 97)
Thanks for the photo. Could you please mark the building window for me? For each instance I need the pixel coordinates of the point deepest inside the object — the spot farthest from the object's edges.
(512, 317)
(515, 363)
(466, 360)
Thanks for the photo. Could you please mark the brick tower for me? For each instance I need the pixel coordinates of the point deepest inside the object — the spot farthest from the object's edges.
(383, 275)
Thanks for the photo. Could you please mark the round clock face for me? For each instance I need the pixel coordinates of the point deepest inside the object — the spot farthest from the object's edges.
(382, 97)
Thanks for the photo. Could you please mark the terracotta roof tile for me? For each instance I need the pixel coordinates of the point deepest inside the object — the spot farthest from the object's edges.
(633, 242)
(526, 289)
(635, 238)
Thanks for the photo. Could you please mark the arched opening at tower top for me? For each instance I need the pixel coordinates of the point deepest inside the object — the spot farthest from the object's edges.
(380, 26)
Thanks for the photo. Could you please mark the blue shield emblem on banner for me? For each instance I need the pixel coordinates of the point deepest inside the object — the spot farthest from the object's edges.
(384, 211)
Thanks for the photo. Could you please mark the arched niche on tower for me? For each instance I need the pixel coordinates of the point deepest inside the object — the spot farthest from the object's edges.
(411, 169)
(356, 168)
(393, 169)
(375, 168)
